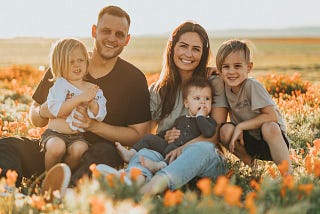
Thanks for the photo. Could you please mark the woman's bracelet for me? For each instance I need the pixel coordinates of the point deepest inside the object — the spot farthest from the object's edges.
(40, 113)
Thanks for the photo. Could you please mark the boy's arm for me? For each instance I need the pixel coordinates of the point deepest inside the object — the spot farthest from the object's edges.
(219, 114)
(206, 125)
(268, 114)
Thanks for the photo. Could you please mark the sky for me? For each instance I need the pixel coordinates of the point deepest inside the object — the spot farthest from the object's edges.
(62, 18)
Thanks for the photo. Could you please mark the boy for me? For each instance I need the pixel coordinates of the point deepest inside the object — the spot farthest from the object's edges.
(257, 129)
(197, 96)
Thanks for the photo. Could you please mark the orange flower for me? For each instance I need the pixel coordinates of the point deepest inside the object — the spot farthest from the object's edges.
(272, 172)
(93, 169)
(306, 188)
(135, 173)
(283, 192)
(97, 206)
(204, 185)
(230, 173)
(255, 185)
(288, 181)
(122, 176)
(317, 168)
(249, 202)
(221, 184)
(308, 164)
(11, 177)
(283, 167)
(37, 202)
(316, 144)
(232, 195)
(110, 179)
(172, 198)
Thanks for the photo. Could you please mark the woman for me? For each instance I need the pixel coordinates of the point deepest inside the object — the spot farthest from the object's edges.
(187, 55)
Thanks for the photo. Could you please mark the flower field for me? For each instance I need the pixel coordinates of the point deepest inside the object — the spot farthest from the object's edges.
(264, 189)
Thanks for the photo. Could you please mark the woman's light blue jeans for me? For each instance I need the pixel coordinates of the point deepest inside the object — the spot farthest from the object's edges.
(199, 159)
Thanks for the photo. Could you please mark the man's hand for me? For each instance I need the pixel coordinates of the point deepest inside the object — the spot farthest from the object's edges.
(171, 135)
(85, 121)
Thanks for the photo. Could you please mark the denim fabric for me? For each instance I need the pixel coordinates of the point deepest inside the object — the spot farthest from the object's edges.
(198, 159)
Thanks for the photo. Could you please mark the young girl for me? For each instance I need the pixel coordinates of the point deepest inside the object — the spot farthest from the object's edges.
(197, 96)
(257, 129)
(62, 140)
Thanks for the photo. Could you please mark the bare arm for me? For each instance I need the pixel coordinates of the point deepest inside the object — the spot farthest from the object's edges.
(39, 114)
(126, 135)
(268, 114)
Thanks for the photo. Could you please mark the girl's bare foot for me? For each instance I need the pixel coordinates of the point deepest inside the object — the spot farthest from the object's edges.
(151, 165)
(125, 153)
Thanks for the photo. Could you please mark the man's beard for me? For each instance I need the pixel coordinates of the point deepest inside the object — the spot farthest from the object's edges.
(109, 55)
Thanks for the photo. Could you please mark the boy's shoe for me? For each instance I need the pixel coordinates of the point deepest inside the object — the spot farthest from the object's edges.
(106, 170)
(57, 178)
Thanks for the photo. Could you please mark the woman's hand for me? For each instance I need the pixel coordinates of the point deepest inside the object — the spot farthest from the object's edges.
(171, 156)
(171, 135)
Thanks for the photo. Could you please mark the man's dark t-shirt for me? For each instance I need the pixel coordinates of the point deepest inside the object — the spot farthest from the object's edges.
(125, 89)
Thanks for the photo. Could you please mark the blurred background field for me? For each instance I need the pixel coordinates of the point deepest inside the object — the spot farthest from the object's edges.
(279, 55)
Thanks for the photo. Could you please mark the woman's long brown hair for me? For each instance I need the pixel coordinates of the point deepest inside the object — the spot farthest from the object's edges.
(169, 82)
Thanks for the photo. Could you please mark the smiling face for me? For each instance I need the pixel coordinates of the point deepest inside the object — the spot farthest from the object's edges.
(77, 66)
(188, 52)
(198, 97)
(111, 35)
(235, 69)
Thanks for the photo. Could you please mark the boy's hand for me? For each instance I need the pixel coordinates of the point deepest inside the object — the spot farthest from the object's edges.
(203, 110)
(236, 137)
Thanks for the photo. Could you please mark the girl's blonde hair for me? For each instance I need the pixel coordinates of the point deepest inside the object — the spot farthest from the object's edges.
(231, 46)
(60, 55)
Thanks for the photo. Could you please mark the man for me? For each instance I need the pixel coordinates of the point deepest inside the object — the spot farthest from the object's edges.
(124, 87)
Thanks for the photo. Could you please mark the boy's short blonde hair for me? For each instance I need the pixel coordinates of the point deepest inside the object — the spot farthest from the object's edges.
(60, 55)
(231, 46)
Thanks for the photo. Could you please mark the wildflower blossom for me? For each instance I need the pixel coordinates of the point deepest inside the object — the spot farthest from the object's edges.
(249, 202)
(232, 195)
(135, 173)
(205, 186)
(172, 198)
(97, 205)
(221, 184)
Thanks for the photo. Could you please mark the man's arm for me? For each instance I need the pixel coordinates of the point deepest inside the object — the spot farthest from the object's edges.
(38, 114)
(125, 135)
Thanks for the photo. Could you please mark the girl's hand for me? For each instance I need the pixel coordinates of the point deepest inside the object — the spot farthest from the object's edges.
(89, 93)
(172, 135)
(174, 154)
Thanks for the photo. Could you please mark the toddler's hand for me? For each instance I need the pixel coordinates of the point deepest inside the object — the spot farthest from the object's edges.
(89, 93)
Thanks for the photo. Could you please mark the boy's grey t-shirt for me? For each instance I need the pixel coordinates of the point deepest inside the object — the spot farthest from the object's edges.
(246, 104)
(179, 109)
